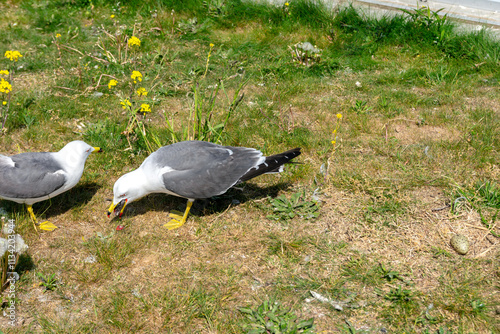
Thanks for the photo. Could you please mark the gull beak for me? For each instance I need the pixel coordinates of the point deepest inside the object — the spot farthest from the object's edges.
(97, 149)
(118, 208)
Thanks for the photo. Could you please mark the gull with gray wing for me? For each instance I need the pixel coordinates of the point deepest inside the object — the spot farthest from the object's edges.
(194, 170)
(37, 176)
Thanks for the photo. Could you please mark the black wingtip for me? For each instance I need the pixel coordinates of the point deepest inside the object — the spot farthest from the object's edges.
(273, 164)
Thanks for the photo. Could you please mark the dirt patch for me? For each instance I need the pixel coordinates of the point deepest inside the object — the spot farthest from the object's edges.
(409, 133)
(483, 100)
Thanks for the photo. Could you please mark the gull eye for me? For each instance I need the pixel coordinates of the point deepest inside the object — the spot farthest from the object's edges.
(123, 195)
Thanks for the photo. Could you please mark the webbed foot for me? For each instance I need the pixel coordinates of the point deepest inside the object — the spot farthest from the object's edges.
(47, 226)
(178, 219)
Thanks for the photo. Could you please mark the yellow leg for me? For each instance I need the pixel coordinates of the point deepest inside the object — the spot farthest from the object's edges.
(178, 220)
(46, 225)
(32, 215)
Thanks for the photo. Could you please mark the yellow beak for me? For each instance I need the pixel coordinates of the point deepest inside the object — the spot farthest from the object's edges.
(111, 209)
(122, 204)
(97, 149)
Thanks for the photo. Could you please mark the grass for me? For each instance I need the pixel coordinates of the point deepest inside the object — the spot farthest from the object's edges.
(415, 162)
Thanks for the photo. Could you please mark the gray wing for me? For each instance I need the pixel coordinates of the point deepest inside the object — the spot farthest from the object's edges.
(32, 176)
(202, 169)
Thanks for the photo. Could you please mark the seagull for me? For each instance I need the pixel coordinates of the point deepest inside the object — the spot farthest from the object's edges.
(194, 170)
(37, 176)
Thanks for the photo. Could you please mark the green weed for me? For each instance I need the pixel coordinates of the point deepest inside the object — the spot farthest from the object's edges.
(399, 295)
(404, 310)
(49, 282)
(287, 208)
(272, 317)
(390, 274)
(489, 193)
(216, 8)
(361, 107)
(432, 21)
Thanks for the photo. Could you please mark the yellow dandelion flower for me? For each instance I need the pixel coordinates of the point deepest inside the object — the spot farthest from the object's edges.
(4, 72)
(287, 4)
(145, 108)
(112, 16)
(125, 103)
(5, 86)
(211, 45)
(333, 142)
(4, 102)
(136, 76)
(58, 35)
(142, 92)
(339, 116)
(112, 83)
(13, 55)
(134, 41)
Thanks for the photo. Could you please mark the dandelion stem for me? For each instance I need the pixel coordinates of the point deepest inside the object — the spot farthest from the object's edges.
(208, 60)
(58, 49)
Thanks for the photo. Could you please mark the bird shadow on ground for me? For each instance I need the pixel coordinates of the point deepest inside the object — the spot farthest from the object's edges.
(202, 207)
(76, 197)
(25, 263)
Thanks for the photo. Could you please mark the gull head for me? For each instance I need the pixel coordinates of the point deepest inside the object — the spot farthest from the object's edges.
(76, 152)
(127, 189)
